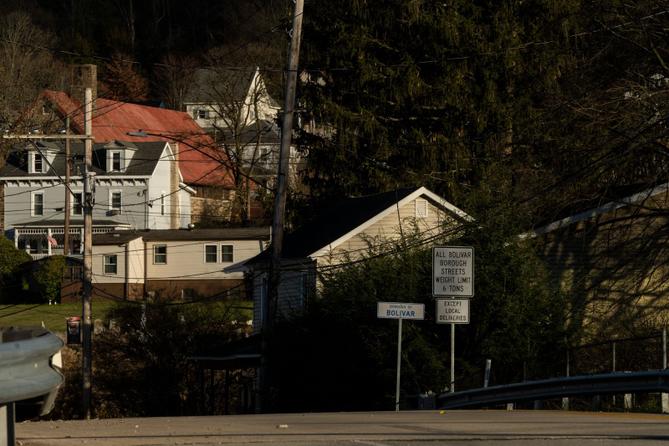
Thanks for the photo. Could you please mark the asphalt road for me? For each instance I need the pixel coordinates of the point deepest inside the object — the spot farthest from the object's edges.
(429, 428)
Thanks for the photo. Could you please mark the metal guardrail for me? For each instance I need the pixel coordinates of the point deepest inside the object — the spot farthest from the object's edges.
(26, 371)
(601, 384)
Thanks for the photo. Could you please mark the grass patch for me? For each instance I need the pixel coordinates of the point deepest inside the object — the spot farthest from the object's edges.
(53, 316)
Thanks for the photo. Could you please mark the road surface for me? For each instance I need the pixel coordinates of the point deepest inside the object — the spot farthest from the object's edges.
(424, 428)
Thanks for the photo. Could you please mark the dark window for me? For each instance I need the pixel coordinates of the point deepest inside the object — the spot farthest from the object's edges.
(77, 203)
(116, 203)
(38, 204)
(39, 163)
(110, 264)
(160, 254)
(226, 253)
(210, 254)
(116, 162)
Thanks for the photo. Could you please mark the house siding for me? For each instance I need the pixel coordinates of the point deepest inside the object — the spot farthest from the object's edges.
(612, 270)
(185, 259)
(162, 185)
(18, 203)
(389, 228)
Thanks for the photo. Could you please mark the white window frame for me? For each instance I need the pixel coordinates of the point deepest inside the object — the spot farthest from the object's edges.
(73, 204)
(232, 253)
(419, 212)
(32, 204)
(120, 160)
(35, 156)
(105, 264)
(111, 200)
(160, 245)
(209, 245)
(162, 203)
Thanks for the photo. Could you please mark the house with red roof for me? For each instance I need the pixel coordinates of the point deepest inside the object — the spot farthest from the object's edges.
(203, 168)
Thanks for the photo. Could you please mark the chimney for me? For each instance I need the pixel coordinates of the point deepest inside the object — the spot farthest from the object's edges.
(82, 77)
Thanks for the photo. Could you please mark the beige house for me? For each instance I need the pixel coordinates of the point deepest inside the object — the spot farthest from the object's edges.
(347, 231)
(609, 259)
(173, 264)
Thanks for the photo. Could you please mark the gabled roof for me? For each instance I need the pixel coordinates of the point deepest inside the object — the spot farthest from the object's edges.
(215, 85)
(603, 204)
(112, 120)
(143, 163)
(350, 217)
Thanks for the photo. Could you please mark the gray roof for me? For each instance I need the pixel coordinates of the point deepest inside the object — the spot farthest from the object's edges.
(215, 85)
(262, 131)
(143, 163)
(168, 235)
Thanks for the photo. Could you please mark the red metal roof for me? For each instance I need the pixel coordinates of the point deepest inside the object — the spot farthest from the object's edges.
(199, 160)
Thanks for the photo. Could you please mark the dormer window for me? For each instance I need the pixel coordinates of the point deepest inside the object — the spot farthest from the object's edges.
(116, 162)
(38, 163)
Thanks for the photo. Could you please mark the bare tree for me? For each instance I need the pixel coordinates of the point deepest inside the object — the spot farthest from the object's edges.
(174, 77)
(26, 65)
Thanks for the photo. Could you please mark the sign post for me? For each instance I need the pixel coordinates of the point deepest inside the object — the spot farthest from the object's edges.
(399, 311)
(453, 276)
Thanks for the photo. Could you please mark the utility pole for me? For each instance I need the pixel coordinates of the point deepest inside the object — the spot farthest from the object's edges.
(86, 345)
(68, 194)
(270, 302)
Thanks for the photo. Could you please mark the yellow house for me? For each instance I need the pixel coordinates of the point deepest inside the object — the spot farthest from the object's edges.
(609, 259)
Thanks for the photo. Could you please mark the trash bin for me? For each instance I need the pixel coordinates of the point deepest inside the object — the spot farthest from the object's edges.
(73, 330)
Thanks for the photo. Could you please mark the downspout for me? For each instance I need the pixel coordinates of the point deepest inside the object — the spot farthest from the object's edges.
(127, 271)
(146, 257)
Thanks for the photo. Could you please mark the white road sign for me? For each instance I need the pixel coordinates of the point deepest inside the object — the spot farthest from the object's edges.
(452, 311)
(400, 310)
(453, 271)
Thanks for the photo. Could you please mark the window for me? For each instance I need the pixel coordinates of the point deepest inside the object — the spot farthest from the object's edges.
(160, 254)
(115, 202)
(38, 163)
(202, 114)
(77, 203)
(226, 253)
(162, 203)
(110, 264)
(421, 208)
(210, 254)
(38, 204)
(116, 162)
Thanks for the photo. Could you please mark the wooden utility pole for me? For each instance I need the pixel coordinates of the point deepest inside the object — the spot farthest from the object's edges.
(270, 302)
(68, 194)
(86, 345)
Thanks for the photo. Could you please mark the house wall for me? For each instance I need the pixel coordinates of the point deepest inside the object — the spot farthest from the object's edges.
(186, 259)
(612, 271)
(387, 230)
(297, 284)
(134, 270)
(18, 203)
(161, 184)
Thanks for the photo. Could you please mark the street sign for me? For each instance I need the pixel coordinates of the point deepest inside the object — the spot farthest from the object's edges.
(453, 271)
(400, 310)
(452, 311)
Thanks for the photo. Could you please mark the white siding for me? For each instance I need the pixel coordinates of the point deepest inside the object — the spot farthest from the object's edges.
(159, 184)
(185, 259)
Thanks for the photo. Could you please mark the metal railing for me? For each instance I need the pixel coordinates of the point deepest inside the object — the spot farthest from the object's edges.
(600, 384)
(27, 373)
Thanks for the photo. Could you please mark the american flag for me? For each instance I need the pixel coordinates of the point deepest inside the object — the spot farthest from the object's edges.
(52, 241)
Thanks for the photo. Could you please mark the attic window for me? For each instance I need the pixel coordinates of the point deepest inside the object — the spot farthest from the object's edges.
(201, 114)
(116, 162)
(421, 208)
(38, 163)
